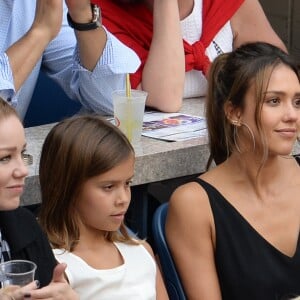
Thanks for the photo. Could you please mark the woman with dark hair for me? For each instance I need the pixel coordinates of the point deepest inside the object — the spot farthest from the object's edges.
(86, 168)
(234, 230)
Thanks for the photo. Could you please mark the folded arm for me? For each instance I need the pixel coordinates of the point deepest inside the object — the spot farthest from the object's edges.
(164, 70)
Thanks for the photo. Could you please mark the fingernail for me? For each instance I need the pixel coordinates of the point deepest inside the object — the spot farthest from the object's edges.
(37, 283)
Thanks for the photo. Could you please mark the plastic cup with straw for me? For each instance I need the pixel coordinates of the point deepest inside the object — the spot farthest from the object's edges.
(129, 107)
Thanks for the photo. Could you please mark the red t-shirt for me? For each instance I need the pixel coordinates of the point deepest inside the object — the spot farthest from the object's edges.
(133, 25)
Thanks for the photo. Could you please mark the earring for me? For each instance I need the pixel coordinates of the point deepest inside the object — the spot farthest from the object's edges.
(235, 137)
(250, 133)
(238, 123)
(235, 123)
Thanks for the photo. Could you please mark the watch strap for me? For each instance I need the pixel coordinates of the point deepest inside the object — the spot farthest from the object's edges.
(94, 24)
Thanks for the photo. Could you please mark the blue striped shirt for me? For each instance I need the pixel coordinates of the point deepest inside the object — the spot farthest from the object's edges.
(61, 62)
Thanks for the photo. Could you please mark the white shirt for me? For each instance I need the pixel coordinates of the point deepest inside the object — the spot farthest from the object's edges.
(133, 280)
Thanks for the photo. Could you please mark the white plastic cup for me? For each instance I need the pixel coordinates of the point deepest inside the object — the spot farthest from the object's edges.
(129, 113)
(17, 272)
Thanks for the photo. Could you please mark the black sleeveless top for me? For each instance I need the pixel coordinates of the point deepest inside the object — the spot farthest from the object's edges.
(248, 266)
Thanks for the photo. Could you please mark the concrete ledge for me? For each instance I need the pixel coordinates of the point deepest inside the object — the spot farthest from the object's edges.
(155, 160)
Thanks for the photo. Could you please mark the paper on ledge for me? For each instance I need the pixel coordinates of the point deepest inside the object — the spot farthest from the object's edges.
(173, 126)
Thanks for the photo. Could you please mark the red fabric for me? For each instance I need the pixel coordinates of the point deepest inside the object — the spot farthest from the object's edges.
(132, 24)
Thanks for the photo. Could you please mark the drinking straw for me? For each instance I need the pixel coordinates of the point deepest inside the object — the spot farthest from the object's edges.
(129, 124)
(128, 87)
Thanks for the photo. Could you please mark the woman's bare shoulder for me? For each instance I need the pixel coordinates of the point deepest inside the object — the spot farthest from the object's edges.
(190, 200)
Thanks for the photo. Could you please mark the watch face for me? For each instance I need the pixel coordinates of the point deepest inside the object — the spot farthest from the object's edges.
(94, 24)
(96, 13)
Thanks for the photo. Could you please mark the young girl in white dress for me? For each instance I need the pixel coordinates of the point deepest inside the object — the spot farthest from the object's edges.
(86, 168)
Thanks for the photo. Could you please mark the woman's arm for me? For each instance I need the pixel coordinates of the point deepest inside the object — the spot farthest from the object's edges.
(250, 24)
(161, 292)
(91, 43)
(190, 236)
(24, 54)
(164, 70)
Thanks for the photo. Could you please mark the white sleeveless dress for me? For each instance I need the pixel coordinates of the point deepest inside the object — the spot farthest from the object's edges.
(134, 280)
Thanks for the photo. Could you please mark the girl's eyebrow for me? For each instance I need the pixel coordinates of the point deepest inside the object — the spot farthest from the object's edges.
(8, 148)
(114, 181)
(12, 148)
(280, 93)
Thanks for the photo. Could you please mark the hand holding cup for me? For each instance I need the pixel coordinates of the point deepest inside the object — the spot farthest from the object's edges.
(17, 272)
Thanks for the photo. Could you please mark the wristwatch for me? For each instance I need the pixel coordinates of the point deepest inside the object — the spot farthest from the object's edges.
(94, 24)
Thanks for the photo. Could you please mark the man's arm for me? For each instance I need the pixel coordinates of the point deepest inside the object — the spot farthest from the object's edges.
(91, 42)
(88, 68)
(98, 65)
(24, 54)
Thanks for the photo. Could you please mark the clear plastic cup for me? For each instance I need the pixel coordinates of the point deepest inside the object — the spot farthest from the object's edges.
(17, 272)
(129, 113)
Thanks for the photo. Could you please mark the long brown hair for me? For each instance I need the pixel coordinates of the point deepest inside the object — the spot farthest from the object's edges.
(75, 150)
(231, 75)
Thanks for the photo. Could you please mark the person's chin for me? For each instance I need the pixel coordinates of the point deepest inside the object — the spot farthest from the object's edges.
(12, 204)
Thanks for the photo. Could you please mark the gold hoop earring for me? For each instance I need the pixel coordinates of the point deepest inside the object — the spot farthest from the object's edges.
(235, 136)
(251, 134)
(238, 123)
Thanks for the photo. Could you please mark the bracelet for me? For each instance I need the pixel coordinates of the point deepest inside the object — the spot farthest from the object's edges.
(94, 24)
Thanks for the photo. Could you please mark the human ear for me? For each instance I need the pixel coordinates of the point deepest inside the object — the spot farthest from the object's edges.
(233, 114)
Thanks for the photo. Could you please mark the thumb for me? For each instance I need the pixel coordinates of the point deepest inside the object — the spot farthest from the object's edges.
(31, 286)
(59, 273)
